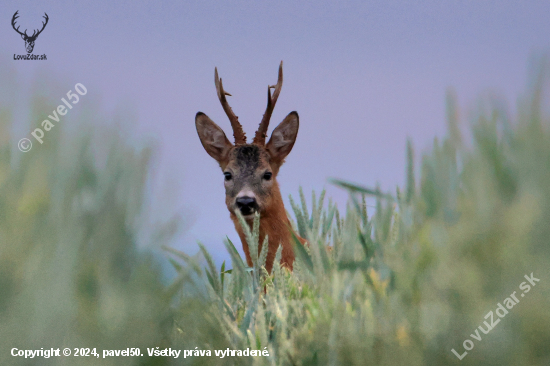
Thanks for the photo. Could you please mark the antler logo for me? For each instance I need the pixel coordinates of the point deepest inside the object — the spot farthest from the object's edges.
(29, 40)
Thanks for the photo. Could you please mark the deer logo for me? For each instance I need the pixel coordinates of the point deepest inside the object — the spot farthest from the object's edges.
(29, 40)
(250, 172)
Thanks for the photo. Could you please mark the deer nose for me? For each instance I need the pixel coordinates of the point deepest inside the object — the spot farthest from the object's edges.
(247, 205)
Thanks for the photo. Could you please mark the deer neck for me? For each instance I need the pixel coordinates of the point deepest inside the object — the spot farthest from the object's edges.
(275, 224)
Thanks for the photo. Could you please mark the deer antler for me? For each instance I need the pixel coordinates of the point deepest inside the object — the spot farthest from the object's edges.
(261, 134)
(15, 16)
(34, 34)
(238, 133)
(43, 26)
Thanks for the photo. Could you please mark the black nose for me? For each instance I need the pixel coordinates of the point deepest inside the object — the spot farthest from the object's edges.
(247, 205)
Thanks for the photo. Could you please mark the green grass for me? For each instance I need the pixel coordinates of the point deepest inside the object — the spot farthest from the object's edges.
(402, 287)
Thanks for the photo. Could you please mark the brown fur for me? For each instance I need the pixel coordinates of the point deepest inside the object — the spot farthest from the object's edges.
(275, 224)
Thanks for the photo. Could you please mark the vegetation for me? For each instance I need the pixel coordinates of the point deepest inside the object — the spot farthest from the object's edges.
(403, 287)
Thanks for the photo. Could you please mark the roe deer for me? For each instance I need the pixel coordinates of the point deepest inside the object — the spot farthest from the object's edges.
(250, 172)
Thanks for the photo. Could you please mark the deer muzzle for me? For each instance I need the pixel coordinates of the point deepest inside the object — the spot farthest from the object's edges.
(247, 205)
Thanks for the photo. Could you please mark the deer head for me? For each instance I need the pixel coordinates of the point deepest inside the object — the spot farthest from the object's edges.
(250, 170)
(29, 40)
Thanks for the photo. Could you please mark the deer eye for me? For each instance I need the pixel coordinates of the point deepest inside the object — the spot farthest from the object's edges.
(267, 175)
(227, 175)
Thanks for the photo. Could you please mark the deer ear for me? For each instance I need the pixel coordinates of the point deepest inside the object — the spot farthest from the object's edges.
(23, 36)
(283, 138)
(212, 137)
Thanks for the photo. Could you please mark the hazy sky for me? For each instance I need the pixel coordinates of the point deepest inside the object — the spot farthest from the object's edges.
(363, 76)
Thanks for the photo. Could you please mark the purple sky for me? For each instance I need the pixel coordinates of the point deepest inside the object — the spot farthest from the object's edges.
(363, 76)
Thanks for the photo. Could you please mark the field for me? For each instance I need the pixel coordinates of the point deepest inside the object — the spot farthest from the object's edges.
(440, 266)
